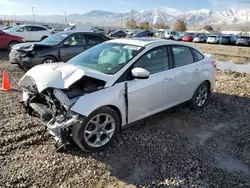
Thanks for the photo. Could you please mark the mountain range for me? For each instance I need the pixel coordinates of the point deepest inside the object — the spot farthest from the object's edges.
(106, 18)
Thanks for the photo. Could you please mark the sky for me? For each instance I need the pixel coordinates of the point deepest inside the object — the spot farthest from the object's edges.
(48, 7)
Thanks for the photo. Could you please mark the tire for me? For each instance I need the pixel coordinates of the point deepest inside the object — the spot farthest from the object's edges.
(11, 43)
(48, 60)
(44, 37)
(196, 103)
(87, 133)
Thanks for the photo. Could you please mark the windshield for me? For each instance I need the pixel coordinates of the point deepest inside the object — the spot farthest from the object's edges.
(55, 39)
(107, 57)
(15, 28)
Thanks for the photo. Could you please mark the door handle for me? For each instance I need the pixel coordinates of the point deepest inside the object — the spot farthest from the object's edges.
(166, 80)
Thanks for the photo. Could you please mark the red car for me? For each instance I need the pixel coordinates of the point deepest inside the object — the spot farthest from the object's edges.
(7, 40)
(188, 38)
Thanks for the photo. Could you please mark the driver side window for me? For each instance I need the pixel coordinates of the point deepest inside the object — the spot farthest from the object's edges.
(154, 61)
(77, 40)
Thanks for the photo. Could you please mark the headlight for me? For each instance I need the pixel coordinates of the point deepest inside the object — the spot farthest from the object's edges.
(22, 40)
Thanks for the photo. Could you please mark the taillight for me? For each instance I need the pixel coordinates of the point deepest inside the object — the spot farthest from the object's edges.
(214, 64)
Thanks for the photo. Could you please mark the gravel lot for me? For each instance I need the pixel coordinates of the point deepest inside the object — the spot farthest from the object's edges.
(176, 148)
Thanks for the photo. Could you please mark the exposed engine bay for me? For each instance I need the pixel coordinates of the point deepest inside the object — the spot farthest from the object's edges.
(53, 105)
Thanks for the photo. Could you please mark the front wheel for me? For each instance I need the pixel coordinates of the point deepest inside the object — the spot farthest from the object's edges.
(98, 130)
(200, 96)
(48, 60)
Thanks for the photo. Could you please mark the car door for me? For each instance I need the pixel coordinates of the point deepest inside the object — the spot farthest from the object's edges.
(187, 72)
(73, 46)
(29, 33)
(3, 40)
(93, 40)
(152, 95)
(38, 33)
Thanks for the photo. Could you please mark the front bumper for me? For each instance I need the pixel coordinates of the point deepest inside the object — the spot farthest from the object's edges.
(16, 59)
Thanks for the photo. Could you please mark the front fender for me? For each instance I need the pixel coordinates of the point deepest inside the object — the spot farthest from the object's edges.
(113, 95)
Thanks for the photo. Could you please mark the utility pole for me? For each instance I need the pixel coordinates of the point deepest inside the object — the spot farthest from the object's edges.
(121, 20)
(65, 18)
(33, 15)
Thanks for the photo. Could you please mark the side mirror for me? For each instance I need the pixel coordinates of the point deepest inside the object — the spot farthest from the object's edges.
(66, 44)
(140, 73)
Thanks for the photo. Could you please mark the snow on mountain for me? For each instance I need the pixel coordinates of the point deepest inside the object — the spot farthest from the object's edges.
(195, 17)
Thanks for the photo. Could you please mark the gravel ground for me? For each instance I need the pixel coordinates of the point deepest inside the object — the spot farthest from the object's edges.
(176, 148)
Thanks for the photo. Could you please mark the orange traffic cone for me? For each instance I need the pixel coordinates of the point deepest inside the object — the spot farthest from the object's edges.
(6, 83)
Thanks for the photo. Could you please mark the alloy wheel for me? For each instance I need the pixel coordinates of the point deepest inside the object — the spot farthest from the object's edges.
(201, 96)
(99, 130)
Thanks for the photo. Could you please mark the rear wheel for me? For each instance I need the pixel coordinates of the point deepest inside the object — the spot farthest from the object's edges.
(200, 96)
(12, 43)
(44, 37)
(98, 130)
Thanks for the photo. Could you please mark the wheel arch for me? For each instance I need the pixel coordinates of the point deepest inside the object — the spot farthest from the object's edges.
(52, 56)
(209, 85)
(117, 110)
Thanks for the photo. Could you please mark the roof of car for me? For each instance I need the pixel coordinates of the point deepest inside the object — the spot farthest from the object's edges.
(141, 41)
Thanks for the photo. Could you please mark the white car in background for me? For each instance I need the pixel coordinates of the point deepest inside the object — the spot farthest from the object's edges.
(30, 32)
(213, 39)
(114, 84)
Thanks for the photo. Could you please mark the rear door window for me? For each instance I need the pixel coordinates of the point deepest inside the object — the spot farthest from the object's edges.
(36, 28)
(182, 55)
(94, 39)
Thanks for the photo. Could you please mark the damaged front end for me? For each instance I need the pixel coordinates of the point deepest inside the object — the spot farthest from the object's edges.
(51, 105)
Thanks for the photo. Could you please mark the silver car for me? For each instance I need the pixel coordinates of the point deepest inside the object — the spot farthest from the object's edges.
(114, 84)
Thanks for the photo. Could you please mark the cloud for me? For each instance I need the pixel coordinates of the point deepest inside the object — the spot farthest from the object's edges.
(6, 3)
(228, 4)
(171, 11)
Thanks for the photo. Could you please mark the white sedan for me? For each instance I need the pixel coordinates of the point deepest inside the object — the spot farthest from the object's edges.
(114, 84)
(30, 32)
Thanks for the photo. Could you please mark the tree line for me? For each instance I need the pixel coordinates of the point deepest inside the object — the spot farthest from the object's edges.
(180, 25)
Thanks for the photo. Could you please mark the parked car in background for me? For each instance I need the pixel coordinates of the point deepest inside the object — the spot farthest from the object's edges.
(188, 37)
(200, 39)
(110, 31)
(49, 28)
(100, 91)
(59, 47)
(30, 32)
(159, 34)
(79, 27)
(169, 34)
(7, 40)
(178, 36)
(98, 30)
(146, 33)
(243, 41)
(6, 28)
(213, 39)
(130, 32)
(226, 39)
(118, 34)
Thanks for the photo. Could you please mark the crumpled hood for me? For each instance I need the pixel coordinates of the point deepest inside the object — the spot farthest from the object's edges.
(23, 46)
(57, 75)
(29, 46)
